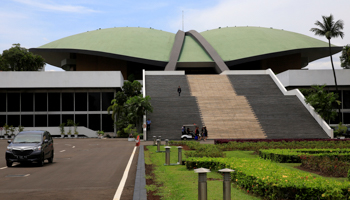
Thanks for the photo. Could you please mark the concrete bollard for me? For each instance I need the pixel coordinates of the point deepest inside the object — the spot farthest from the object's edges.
(227, 183)
(154, 140)
(166, 142)
(167, 155)
(202, 183)
(158, 145)
(160, 139)
(179, 157)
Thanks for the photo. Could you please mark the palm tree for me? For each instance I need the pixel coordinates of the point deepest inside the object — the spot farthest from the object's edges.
(329, 29)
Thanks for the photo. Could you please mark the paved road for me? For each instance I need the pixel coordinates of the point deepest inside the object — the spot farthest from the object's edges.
(82, 169)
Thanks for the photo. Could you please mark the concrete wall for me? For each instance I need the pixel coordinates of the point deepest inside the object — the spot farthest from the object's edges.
(293, 78)
(98, 63)
(67, 79)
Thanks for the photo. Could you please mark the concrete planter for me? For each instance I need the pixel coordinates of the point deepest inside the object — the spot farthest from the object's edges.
(69, 136)
(62, 136)
(76, 136)
(131, 139)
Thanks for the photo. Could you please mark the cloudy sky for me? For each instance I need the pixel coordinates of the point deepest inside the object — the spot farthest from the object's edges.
(33, 23)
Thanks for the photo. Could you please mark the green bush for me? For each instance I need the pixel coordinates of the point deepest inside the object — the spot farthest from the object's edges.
(191, 144)
(206, 151)
(272, 181)
(349, 175)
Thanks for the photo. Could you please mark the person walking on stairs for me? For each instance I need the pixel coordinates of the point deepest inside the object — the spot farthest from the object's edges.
(148, 124)
(205, 133)
(179, 90)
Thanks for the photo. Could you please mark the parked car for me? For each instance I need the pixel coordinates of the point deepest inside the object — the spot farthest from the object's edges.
(30, 146)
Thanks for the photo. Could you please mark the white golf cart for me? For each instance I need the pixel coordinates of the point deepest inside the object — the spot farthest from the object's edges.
(189, 132)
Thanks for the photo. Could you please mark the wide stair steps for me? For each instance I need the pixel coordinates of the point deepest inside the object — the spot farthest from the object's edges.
(279, 116)
(170, 111)
(224, 113)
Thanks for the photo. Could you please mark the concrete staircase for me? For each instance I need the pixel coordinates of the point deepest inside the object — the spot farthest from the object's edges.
(170, 111)
(279, 116)
(225, 114)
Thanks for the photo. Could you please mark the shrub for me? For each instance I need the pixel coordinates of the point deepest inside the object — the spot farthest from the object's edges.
(326, 165)
(206, 151)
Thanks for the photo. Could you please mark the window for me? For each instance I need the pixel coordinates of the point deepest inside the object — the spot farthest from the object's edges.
(40, 102)
(80, 101)
(27, 102)
(13, 120)
(54, 101)
(346, 118)
(2, 120)
(27, 120)
(40, 120)
(94, 122)
(94, 101)
(66, 117)
(67, 102)
(107, 97)
(2, 103)
(346, 99)
(107, 123)
(13, 102)
(54, 120)
(336, 120)
(81, 119)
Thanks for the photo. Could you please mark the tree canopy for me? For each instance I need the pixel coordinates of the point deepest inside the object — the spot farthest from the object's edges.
(345, 57)
(18, 58)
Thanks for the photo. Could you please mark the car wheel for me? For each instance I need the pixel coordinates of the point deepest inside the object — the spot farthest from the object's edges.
(51, 158)
(8, 163)
(41, 161)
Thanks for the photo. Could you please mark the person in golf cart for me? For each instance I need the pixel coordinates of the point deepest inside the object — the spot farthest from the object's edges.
(188, 131)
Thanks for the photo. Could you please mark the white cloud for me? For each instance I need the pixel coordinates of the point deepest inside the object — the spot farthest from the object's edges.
(56, 7)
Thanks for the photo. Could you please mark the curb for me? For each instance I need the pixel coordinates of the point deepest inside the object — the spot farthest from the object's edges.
(140, 192)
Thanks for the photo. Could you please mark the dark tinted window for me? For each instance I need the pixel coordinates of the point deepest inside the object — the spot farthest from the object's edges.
(27, 102)
(13, 120)
(27, 120)
(54, 120)
(107, 123)
(66, 117)
(346, 118)
(336, 120)
(67, 102)
(40, 120)
(81, 101)
(81, 119)
(40, 102)
(346, 99)
(2, 102)
(106, 99)
(335, 105)
(94, 101)
(2, 120)
(94, 122)
(54, 101)
(13, 102)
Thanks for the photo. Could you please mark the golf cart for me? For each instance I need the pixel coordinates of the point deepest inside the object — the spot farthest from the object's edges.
(188, 134)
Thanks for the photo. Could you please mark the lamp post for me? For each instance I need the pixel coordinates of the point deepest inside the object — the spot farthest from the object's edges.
(179, 152)
(227, 183)
(167, 155)
(158, 145)
(202, 183)
(154, 140)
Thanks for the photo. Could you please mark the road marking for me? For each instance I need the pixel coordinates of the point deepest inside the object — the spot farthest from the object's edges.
(3, 168)
(12, 165)
(63, 151)
(125, 176)
(73, 147)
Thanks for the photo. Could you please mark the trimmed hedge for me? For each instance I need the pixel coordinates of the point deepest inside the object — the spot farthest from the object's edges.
(269, 180)
(293, 155)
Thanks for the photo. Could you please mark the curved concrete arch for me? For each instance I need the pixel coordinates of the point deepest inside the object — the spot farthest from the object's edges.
(175, 51)
(220, 65)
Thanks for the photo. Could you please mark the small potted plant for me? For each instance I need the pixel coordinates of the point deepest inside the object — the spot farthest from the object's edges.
(62, 129)
(100, 134)
(12, 130)
(75, 130)
(70, 123)
(20, 128)
(7, 131)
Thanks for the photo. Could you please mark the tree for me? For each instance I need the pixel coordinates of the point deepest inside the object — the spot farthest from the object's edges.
(345, 57)
(330, 29)
(18, 58)
(322, 101)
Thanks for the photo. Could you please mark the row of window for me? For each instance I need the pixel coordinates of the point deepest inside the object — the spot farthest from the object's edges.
(77, 101)
(344, 97)
(93, 121)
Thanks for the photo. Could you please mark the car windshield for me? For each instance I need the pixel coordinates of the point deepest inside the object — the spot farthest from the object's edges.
(27, 139)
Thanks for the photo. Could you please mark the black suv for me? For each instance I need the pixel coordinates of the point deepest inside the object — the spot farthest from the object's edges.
(30, 146)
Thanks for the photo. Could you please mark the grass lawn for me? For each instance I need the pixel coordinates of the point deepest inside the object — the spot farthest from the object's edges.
(179, 183)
